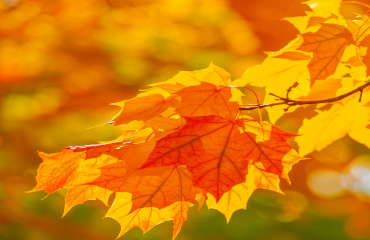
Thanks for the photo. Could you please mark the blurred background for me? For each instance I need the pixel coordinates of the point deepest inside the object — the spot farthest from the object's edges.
(62, 63)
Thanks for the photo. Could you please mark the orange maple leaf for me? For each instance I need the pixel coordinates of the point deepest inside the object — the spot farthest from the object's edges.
(57, 170)
(328, 45)
(156, 187)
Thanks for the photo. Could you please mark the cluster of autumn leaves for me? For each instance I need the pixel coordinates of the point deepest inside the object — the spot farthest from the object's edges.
(186, 139)
(329, 57)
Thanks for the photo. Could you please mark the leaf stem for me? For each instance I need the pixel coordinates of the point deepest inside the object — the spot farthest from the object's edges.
(291, 102)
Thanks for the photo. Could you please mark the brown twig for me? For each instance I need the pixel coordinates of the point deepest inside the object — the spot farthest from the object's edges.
(290, 102)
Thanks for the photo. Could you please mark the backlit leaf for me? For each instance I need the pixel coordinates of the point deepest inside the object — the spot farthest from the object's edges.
(218, 151)
(207, 99)
(328, 45)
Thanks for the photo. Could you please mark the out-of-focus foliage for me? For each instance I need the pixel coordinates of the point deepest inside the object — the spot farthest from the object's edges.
(63, 61)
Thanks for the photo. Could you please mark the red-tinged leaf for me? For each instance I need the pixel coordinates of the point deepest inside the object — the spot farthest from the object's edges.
(239, 195)
(175, 185)
(146, 218)
(79, 194)
(328, 45)
(158, 187)
(207, 99)
(143, 108)
(293, 56)
(202, 145)
(274, 151)
(112, 176)
(218, 151)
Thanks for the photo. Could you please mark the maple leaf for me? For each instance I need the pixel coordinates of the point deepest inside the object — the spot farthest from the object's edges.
(328, 45)
(218, 151)
(158, 187)
(166, 193)
(57, 170)
(330, 125)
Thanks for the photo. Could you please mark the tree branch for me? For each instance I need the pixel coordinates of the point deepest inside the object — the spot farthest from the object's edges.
(289, 102)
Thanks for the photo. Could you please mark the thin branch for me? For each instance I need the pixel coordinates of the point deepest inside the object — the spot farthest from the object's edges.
(290, 102)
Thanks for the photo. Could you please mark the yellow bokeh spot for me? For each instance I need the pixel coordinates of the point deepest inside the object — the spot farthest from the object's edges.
(326, 183)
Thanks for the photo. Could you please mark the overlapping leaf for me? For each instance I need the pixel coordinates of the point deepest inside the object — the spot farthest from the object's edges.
(218, 151)
(329, 126)
(328, 45)
(146, 218)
